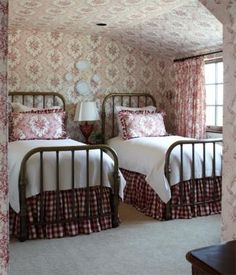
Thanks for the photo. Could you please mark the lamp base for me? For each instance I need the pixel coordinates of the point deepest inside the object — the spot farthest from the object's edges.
(86, 130)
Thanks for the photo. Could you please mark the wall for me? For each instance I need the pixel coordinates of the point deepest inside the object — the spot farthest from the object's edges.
(225, 11)
(44, 61)
(3, 140)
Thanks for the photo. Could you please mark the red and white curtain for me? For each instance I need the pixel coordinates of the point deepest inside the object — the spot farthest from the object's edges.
(190, 103)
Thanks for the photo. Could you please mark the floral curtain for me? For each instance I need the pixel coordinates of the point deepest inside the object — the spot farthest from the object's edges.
(190, 98)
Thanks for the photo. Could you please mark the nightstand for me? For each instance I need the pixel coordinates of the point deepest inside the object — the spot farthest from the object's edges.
(215, 259)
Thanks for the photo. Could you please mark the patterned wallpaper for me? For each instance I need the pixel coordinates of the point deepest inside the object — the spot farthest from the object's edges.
(84, 67)
(3, 141)
(225, 10)
(174, 27)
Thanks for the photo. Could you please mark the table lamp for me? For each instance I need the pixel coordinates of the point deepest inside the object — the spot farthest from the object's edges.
(86, 111)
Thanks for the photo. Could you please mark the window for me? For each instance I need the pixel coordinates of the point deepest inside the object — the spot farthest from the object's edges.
(214, 94)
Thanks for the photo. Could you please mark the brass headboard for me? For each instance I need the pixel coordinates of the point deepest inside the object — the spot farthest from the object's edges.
(33, 99)
(120, 99)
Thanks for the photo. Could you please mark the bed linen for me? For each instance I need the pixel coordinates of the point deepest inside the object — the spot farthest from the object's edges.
(146, 156)
(18, 149)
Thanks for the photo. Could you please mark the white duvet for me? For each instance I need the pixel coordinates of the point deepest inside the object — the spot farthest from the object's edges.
(146, 155)
(18, 149)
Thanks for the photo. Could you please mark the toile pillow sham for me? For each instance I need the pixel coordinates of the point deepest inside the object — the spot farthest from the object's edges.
(40, 124)
(146, 124)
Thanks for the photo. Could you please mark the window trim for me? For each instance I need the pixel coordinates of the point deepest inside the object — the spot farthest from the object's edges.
(214, 128)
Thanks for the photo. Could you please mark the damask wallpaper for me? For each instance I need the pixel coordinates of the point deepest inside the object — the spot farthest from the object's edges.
(84, 67)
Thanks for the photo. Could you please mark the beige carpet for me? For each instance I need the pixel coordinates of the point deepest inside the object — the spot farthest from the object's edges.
(139, 246)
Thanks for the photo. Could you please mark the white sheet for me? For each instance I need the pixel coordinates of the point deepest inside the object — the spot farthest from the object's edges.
(18, 149)
(146, 155)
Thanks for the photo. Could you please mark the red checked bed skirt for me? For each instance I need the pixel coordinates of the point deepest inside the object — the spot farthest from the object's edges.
(140, 195)
(49, 231)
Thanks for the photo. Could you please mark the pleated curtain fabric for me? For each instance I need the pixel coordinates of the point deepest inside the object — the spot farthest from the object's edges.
(190, 101)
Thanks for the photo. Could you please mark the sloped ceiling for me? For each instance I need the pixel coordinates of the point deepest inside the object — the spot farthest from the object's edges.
(172, 28)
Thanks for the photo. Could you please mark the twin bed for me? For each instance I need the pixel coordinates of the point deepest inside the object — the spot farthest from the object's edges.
(57, 186)
(167, 176)
(60, 187)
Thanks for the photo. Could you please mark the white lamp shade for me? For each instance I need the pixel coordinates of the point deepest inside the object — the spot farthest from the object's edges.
(86, 111)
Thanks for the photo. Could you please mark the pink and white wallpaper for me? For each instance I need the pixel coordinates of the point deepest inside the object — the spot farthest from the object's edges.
(225, 10)
(85, 67)
(171, 27)
(25, 74)
(3, 140)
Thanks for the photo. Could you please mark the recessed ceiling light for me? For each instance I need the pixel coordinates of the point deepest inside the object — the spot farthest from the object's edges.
(101, 24)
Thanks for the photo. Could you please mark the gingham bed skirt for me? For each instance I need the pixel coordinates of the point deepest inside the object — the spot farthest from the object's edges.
(140, 194)
(57, 230)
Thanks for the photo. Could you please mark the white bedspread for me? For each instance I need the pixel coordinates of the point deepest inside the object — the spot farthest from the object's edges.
(18, 149)
(146, 155)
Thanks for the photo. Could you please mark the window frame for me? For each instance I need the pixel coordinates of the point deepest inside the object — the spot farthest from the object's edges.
(214, 128)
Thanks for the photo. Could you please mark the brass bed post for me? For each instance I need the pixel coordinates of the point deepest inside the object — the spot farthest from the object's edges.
(23, 206)
(100, 210)
(167, 171)
(103, 116)
(73, 183)
(87, 200)
(42, 220)
(116, 186)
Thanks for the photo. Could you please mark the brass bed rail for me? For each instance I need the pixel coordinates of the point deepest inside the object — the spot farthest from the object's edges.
(87, 148)
(56, 98)
(167, 170)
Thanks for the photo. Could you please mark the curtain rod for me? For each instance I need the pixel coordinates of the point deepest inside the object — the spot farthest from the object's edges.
(189, 57)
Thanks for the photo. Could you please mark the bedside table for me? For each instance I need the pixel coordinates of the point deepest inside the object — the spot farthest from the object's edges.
(215, 259)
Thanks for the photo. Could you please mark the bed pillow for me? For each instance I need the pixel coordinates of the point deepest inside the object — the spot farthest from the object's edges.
(135, 124)
(140, 110)
(18, 107)
(133, 109)
(40, 124)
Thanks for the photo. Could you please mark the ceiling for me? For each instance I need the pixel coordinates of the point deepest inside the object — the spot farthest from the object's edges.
(173, 28)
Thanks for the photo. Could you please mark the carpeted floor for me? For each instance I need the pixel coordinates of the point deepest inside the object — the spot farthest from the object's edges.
(139, 246)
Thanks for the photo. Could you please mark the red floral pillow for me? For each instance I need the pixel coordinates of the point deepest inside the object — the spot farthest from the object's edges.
(40, 124)
(141, 124)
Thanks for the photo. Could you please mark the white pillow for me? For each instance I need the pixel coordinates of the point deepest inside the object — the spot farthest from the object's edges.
(124, 108)
(17, 107)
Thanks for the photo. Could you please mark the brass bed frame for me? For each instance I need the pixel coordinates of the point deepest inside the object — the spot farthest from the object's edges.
(114, 196)
(145, 99)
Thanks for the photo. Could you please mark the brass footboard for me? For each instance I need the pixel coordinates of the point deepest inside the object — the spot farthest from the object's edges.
(75, 218)
(168, 171)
